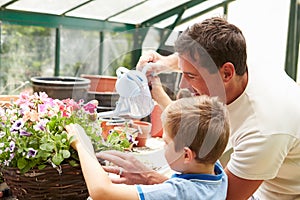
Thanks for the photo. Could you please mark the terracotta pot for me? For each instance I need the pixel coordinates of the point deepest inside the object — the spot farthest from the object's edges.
(100, 83)
(128, 130)
(109, 123)
(6, 100)
(144, 132)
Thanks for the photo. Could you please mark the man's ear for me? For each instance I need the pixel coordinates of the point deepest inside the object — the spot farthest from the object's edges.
(227, 71)
(189, 155)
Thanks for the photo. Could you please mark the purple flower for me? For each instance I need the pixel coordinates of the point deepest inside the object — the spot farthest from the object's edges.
(25, 133)
(31, 153)
(11, 156)
(2, 134)
(41, 125)
(130, 138)
(12, 146)
(18, 124)
(6, 163)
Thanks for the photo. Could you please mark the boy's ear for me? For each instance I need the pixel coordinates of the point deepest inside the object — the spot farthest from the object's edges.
(189, 155)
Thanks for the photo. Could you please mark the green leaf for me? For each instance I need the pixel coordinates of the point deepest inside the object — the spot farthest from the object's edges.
(47, 147)
(43, 154)
(73, 163)
(41, 167)
(22, 162)
(65, 153)
(25, 169)
(57, 159)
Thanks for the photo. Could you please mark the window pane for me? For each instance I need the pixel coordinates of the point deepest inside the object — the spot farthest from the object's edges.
(79, 52)
(46, 6)
(25, 52)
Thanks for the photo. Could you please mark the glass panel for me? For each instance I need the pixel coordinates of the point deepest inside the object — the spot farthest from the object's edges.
(166, 22)
(193, 10)
(46, 6)
(2, 2)
(202, 6)
(79, 52)
(215, 12)
(152, 40)
(25, 52)
(117, 50)
(147, 10)
(102, 10)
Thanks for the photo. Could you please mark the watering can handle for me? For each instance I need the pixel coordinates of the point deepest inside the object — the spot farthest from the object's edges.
(136, 77)
(132, 74)
(146, 67)
(121, 71)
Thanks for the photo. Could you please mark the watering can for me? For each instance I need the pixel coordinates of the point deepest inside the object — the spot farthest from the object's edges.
(135, 98)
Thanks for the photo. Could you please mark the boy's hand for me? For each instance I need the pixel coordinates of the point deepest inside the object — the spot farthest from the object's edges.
(79, 138)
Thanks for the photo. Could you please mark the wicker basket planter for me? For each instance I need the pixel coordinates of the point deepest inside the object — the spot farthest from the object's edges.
(47, 183)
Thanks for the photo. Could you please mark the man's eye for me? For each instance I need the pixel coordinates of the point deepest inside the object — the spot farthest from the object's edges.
(190, 76)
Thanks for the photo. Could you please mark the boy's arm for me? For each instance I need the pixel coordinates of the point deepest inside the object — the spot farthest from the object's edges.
(98, 183)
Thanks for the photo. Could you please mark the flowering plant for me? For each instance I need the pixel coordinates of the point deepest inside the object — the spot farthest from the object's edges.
(119, 140)
(32, 132)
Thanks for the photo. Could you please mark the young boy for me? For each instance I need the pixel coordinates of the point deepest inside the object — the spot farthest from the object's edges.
(196, 132)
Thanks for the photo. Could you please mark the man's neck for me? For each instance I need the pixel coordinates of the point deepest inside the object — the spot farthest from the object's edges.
(237, 88)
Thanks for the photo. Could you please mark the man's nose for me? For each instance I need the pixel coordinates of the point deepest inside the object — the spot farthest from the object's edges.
(184, 83)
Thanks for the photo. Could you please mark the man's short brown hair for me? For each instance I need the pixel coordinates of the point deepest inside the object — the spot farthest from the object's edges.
(212, 43)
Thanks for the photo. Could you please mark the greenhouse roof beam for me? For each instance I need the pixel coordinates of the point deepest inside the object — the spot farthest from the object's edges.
(55, 21)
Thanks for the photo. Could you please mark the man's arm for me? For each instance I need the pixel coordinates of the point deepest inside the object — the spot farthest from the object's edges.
(238, 188)
(133, 170)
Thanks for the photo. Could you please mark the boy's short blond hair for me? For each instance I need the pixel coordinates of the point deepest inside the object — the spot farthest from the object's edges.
(200, 123)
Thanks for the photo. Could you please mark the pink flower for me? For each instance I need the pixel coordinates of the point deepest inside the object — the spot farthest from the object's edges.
(36, 123)
(90, 108)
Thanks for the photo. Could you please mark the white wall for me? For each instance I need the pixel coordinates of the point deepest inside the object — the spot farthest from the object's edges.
(264, 24)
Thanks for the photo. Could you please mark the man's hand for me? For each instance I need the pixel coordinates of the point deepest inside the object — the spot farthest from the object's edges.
(133, 171)
(156, 63)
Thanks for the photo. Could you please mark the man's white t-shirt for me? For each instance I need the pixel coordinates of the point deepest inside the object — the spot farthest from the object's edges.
(265, 134)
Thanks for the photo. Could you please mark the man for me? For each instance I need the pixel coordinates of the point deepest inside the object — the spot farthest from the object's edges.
(264, 109)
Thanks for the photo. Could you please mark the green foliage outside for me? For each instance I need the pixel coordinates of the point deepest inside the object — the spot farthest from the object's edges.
(28, 51)
(25, 52)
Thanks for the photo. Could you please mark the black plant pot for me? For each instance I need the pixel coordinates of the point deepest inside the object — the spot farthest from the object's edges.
(62, 87)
